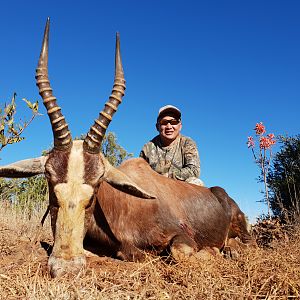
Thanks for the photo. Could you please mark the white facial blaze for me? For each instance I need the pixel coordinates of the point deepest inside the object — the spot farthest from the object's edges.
(73, 196)
(74, 190)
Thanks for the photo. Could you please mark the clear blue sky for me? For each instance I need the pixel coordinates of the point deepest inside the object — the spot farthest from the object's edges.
(225, 64)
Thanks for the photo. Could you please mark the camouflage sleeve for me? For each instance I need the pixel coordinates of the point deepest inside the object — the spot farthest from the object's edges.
(143, 153)
(191, 163)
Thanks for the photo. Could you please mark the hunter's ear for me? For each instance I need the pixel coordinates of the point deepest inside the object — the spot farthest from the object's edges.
(122, 182)
(157, 126)
(24, 168)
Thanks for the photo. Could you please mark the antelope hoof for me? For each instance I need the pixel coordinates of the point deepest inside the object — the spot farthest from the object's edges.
(230, 253)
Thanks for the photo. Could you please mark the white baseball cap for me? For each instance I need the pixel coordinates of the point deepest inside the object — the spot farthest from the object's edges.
(163, 111)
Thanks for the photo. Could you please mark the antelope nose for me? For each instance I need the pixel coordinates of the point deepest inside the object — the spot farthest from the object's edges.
(59, 266)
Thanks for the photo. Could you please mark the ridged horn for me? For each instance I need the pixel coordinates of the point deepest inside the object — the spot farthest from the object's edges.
(92, 142)
(61, 134)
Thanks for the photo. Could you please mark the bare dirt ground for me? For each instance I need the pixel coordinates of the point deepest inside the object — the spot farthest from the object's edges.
(256, 274)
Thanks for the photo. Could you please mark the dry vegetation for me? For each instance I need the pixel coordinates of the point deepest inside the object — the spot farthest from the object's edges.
(257, 274)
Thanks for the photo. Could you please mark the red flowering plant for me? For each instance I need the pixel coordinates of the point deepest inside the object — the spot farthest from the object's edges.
(263, 156)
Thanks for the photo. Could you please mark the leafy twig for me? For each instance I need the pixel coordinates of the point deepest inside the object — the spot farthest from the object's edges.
(10, 131)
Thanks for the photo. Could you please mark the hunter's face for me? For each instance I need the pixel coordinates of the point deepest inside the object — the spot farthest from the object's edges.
(169, 128)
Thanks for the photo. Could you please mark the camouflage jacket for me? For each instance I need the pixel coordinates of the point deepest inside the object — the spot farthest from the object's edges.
(179, 160)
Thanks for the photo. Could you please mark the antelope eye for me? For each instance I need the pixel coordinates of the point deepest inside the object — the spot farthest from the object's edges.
(90, 203)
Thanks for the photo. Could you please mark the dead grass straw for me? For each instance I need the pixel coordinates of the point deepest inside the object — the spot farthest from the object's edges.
(256, 274)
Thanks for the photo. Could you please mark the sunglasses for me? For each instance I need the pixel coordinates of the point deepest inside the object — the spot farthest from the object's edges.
(172, 122)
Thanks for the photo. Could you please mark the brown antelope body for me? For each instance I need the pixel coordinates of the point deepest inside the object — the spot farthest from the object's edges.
(120, 211)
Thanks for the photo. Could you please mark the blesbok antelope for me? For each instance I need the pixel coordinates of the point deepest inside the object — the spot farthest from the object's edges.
(120, 210)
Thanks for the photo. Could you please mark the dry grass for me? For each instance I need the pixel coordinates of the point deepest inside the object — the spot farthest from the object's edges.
(257, 274)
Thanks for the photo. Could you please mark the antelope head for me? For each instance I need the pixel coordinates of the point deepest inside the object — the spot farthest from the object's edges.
(73, 169)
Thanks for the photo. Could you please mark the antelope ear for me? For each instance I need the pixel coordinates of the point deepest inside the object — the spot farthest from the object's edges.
(122, 182)
(24, 168)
